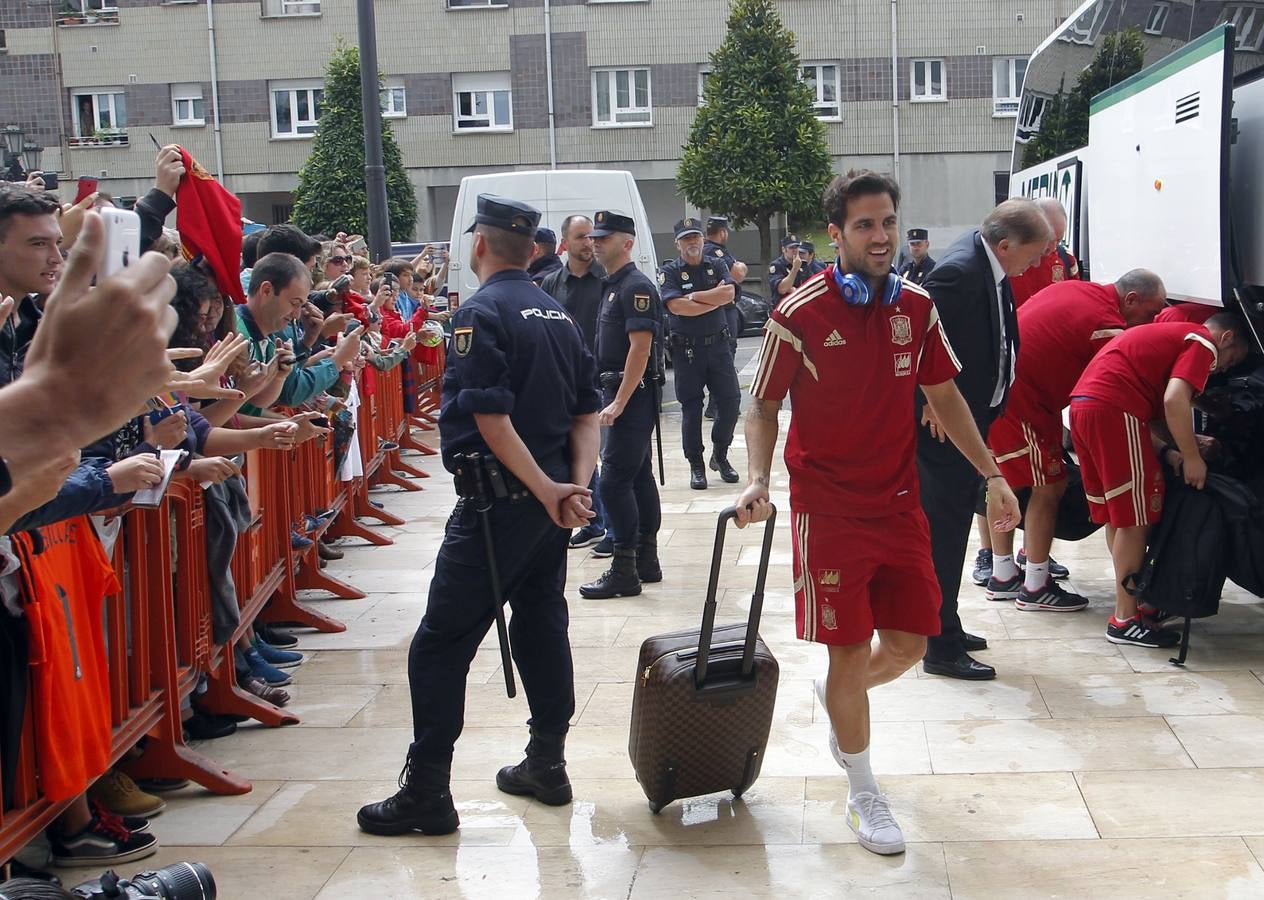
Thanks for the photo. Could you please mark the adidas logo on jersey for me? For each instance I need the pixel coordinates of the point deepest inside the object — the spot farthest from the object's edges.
(835, 340)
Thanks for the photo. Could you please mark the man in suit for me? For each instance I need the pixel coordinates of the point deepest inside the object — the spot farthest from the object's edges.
(970, 287)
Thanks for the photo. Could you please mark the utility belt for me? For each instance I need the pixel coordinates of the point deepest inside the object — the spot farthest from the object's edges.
(480, 477)
(614, 379)
(688, 342)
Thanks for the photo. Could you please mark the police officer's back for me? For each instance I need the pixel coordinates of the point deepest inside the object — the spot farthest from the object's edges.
(518, 429)
(717, 247)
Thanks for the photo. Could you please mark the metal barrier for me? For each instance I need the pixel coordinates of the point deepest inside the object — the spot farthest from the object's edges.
(158, 628)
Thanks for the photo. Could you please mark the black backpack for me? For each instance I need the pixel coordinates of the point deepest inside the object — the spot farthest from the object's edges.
(1074, 523)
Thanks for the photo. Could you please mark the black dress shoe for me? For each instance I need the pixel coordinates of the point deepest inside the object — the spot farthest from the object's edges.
(207, 727)
(973, 642)
(962, 667)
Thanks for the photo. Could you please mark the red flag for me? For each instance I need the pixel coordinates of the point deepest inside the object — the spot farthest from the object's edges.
(208, 217)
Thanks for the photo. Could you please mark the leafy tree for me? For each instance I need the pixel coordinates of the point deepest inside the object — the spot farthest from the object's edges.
(757, 147)
(331, 196)
(1064, 124)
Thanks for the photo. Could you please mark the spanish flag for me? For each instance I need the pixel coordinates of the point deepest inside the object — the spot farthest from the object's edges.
(208, 217)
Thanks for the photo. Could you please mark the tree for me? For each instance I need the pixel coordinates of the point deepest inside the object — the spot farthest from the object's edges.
(331, 196)
(1064, 124)
(757, 147)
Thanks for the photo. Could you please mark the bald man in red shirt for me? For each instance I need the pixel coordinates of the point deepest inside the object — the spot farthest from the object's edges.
(1135, 396)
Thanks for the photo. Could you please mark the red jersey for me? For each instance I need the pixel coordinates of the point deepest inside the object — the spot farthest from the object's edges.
(1051, 269)
(1062, 328)
(1133, 371)
(850, 372)
(64, 586)
(1198, 313)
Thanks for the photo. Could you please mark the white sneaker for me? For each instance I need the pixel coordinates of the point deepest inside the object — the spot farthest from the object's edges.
(869, 816)
(833, 738)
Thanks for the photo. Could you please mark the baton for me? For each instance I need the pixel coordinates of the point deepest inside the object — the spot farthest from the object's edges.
(658, 429)
(498, 600)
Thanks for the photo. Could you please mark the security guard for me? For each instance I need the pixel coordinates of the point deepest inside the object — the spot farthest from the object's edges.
(629, 327)
(518, 427)
(696, 291)
(811, 265)
(787, 271)
(919, 262)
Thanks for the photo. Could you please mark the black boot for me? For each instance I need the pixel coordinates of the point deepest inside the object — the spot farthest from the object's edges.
(697, 474)
(423, 804)
(620, 580)
(542, 774)
(647, 567)
(720, 463)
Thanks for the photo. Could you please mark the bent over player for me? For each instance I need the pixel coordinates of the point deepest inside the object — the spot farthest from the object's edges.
(850, 347)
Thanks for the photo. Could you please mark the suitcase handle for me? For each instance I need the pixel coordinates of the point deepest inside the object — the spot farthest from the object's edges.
(757, 598)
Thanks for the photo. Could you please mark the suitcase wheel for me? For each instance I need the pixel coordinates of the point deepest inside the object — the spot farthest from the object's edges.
(737, 793)
(656, 808)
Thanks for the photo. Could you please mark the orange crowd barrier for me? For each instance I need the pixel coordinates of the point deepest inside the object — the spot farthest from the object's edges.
(158, 627)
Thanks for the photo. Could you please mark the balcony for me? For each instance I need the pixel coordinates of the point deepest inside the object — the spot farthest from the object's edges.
(1005, 107)
(86, 12)
(99, 139)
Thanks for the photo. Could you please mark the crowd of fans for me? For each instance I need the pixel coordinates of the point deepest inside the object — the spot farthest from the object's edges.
(104, 376)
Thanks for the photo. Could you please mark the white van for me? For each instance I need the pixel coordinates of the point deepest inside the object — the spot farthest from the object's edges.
(557, 193)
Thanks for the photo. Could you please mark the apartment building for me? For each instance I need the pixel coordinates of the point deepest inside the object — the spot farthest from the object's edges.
(238, 82)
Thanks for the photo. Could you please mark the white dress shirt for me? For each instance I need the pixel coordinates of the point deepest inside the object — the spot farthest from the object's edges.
(998, 275)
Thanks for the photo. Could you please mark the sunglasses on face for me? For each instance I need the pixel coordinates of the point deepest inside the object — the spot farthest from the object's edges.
(340, 260)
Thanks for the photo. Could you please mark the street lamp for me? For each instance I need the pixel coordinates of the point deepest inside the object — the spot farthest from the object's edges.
(20, 155)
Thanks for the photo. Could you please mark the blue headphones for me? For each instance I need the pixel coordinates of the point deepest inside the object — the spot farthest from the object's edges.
(857, 292)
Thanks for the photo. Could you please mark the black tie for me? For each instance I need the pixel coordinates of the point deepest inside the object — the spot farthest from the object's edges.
(1010, 350)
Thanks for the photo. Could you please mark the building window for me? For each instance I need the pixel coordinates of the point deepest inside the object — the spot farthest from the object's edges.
(482, 102)
(1248, 25)
(928, 80)
(822, 80)
(473, 4)
(291, 8)
(100, 117)
(296, 109)
(1007, 84)
(392, 102)
(1157, 18)
(621, 97)
(186, 105)
(1030, 112)
(703, 75)
(1087, 28)
(87, 12)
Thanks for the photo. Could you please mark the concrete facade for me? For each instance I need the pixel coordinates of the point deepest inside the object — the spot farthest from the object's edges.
(949, 149)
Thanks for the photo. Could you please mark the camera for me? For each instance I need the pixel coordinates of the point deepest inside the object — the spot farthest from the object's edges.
(181, 881)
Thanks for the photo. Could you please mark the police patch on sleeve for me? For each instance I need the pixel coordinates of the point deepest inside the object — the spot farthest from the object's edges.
(719, 252)
(772, 269)
(662, 277)
(462, 340)
(641, 302)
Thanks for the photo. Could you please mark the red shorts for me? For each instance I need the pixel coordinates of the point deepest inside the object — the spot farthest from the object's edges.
(1028, 449)
(852, 576)
(1122, 477)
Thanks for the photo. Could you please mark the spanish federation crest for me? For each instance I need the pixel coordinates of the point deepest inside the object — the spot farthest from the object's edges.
(829, 618)
(901, 330)
(641, 302)
(462, 340)
(1059, 272)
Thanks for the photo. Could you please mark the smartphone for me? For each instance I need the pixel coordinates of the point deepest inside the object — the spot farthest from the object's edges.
(122, 240)
(321, 422)
(50, 180)
(87, 185)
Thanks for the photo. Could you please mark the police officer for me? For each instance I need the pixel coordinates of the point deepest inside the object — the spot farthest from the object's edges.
(628, 328)
(716, 246)
(544, 258)
(696, 291)
(811, 265)
(786, 272)
(518, 427)
(919, 262)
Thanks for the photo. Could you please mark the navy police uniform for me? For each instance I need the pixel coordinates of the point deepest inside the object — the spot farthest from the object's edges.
(515, 352)
(701, 357)
(813, 267)
(780, 268)
(631, 303)
(913, 270)
(715, 250)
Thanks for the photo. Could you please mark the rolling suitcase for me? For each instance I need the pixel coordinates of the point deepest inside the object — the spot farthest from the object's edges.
(703, 699)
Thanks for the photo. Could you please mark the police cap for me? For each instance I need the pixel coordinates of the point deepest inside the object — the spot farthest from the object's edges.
(607, 222)
(807, 246)
(789, 241)
(717, 222)
(545, 236)
(918, 234)
(506, 214)
(686, 227)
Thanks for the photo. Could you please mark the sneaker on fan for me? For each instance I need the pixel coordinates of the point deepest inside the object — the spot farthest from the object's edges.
(116, 791)
(982, 567)
(869, 816)
(587, 536)
(1057, 571)
(1007, 589)
(1052, 597)
(101, 842)
(1136, 632)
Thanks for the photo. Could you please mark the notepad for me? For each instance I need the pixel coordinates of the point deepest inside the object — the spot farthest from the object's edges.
(151, 498)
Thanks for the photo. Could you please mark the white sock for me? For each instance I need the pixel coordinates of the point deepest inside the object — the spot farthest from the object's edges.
(859, 773)
(1037, 575)
(1003, 567)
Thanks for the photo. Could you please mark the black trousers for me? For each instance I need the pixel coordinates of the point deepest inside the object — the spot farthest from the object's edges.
(531, 559)
(950, 490)
(709, 367)
(629, 495)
